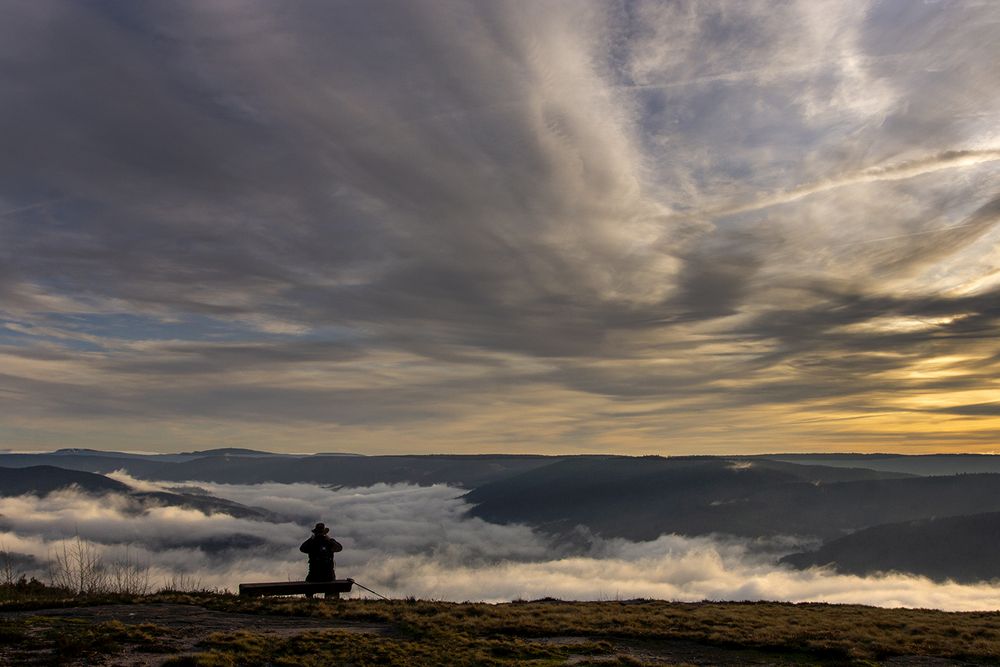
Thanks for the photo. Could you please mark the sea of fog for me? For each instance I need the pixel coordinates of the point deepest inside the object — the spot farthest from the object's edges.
(404, 540)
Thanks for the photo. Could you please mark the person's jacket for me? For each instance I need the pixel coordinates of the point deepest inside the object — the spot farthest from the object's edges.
(320, 549)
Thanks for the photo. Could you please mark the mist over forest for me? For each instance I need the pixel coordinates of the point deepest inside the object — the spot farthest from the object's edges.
(504, 528)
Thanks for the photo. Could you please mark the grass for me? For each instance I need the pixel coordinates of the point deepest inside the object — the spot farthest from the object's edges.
(545, 632)
(322, 648)
(851, 632)
(59, 641)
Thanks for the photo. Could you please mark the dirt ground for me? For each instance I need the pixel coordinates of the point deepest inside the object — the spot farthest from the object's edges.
(189, 625)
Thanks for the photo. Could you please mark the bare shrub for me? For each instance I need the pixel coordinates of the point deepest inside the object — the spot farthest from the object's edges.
(182, 583)
(10, 574)
(127, 575)
(78, 567)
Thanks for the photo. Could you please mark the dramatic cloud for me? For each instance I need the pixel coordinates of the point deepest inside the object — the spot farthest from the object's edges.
(646, 226)
(404, 540)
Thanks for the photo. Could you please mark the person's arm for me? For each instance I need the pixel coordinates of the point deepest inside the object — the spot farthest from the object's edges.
(306, 546)
(337, 546)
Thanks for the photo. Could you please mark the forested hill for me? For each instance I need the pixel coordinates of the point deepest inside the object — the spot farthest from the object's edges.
(960, 548)
(641, 499)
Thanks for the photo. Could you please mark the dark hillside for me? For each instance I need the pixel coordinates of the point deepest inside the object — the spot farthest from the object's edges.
(961, 548)
(98, 462)
(467, 471)
(43, 480)
(818, 473)
(643, 498)
(921, 464)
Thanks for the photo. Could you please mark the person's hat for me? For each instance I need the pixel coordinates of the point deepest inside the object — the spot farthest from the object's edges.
(320, 529)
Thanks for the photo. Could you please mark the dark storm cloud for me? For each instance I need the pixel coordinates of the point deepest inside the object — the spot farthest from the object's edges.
(422, 211)
(715, 281)
(173, 203)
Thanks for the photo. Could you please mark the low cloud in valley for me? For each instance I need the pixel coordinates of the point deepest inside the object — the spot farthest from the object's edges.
(406, 540)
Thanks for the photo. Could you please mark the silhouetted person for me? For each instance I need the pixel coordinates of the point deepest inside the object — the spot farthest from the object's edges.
(320, 548)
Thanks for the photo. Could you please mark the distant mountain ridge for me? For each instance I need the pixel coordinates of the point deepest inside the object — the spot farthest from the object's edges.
(175, 458)
(466, 471)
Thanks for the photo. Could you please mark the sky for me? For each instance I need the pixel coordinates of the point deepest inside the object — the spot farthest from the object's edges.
(408, 227)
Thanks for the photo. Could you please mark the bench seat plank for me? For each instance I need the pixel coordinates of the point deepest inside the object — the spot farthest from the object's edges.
(297, 587)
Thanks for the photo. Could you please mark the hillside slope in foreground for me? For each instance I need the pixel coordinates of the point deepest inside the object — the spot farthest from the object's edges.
(211, 630)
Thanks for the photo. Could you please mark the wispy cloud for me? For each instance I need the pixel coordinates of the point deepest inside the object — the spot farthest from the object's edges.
(643, 227)
(891, 172)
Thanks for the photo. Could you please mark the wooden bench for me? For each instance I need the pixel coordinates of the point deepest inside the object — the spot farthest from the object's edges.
(329, 588)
